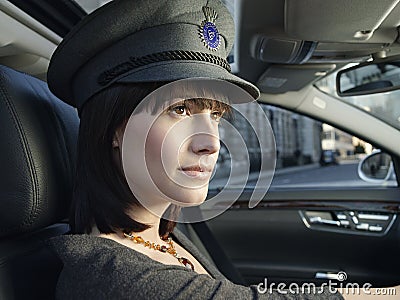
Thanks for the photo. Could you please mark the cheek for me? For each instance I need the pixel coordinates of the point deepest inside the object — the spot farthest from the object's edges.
(133, 155)
(160, 146)
(154, 142)
(165, 144)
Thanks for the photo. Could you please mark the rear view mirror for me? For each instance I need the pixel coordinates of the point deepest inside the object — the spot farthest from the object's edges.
(378, 76)
(376, 168)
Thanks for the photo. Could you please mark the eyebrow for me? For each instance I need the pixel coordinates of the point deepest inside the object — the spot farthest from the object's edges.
(159, 105)
(211, 104)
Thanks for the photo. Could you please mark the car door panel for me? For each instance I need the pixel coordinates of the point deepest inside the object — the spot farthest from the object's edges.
(274, 240)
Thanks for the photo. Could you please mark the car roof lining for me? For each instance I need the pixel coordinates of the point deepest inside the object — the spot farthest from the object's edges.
(299, 21)
(274, 19)
(25, 45)
(315, 19)
(59, 16)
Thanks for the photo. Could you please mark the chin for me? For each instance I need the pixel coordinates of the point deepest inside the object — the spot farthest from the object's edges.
(189, 198)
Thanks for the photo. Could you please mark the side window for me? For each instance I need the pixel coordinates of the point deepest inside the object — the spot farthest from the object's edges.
(309, 154)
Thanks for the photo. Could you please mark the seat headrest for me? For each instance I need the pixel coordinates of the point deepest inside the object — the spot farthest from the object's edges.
(38, 136)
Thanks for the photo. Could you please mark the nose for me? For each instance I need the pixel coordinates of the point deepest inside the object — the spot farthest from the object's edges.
(205, 138)
(205, 143)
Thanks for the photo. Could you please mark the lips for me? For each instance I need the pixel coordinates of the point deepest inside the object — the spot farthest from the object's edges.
(197, 171)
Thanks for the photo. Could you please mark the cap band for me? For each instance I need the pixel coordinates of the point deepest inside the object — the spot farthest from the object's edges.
(136, 62)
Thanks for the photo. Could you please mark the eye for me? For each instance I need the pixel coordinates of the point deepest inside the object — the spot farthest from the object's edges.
(179, 110)
(216, 115)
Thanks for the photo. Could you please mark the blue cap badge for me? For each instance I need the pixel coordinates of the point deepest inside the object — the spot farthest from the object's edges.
(208, 31)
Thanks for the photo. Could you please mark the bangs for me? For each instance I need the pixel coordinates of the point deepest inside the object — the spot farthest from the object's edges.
(192, 93)
(154, 107)
(210, 104)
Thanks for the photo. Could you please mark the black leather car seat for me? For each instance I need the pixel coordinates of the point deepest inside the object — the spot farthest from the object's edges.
(38, 135)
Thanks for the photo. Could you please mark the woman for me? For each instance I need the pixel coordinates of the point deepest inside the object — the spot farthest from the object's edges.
(148, 144)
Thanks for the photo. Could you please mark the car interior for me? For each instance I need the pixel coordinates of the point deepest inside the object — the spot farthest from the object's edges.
(40, 133)
(282, 46)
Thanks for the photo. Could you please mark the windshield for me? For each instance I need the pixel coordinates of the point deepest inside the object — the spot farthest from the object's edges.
(384, 106)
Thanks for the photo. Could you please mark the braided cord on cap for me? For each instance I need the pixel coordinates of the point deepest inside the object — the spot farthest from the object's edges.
(136, 62)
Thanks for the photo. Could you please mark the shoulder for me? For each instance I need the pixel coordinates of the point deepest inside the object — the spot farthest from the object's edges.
(95, 267)
(96, 252)
(98, 268)
(84, 248)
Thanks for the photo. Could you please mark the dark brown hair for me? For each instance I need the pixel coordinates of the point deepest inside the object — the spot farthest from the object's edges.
(101, 195)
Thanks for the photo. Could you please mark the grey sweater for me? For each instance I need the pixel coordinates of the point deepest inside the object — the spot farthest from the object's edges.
(99, 268)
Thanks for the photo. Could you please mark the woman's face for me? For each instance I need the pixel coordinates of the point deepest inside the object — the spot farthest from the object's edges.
(170, 156)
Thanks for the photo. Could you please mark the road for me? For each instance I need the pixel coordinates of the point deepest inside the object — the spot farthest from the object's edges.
(335, 175)
(341, 176)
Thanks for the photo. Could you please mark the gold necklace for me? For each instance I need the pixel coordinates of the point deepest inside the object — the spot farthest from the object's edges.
(171, 249)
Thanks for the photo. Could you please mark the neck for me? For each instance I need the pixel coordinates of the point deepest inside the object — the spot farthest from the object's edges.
(149, 216)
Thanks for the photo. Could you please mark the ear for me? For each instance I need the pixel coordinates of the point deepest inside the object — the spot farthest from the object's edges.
(118, 136)
(117, 139)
